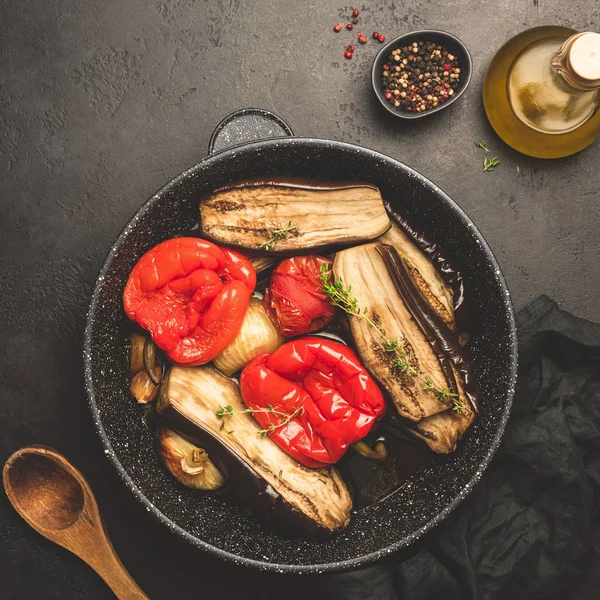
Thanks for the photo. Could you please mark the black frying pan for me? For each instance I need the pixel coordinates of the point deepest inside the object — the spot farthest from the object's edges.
(232, 532)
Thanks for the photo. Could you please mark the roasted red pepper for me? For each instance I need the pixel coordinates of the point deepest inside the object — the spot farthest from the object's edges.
(323, 384)
(191, 296)
(294, 299)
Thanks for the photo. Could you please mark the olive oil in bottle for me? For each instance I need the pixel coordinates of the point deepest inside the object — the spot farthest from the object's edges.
(542, 91)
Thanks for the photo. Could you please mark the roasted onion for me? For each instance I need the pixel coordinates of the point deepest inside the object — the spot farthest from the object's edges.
(257, 336)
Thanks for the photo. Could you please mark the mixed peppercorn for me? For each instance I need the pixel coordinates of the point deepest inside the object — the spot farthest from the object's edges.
(420, 76)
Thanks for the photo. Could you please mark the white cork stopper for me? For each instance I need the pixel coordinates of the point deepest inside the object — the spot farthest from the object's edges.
(584, 56)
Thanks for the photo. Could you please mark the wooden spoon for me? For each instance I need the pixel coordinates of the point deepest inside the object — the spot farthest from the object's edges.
(56, 500)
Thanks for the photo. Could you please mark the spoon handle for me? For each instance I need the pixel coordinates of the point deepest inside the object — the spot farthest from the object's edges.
(104, 560)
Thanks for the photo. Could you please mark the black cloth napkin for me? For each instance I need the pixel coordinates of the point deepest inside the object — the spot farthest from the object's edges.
(530, 528)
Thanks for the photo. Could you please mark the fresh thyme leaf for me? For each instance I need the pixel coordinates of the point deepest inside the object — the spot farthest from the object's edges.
(222, 426)
(444, 393)
(224, 411)
(403, 360)
(281, 233)
(279, 474)
(284, 418)
(518, 169)
(428, 384)
(390, 346)
(402, 363)
(481, 144)
(459, 406)
(489, 164)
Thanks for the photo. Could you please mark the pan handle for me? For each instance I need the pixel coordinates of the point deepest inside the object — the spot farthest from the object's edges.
(247, 125)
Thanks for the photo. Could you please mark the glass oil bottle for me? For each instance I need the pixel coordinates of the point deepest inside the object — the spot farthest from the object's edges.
(542, 91)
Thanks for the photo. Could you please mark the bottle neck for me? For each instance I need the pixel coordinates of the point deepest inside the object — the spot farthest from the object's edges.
(577, 63)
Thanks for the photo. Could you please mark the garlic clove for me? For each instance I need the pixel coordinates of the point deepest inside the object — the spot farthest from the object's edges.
(378, 452)
(136, 353)
(189, 464)
(142, 388)
(193, 464)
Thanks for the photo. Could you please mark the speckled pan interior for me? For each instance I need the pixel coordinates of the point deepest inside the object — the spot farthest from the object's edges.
(232, 532)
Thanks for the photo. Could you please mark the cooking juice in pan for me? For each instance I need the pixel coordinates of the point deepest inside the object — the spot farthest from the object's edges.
(370, 480)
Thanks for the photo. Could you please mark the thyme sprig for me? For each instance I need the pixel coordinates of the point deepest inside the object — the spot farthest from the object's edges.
(402, 360)
(481, 144)
(281, 233)
(489, 164)
(284, 418)
(443, 393)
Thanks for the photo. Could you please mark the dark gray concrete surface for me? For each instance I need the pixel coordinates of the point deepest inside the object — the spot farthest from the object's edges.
(101, 103)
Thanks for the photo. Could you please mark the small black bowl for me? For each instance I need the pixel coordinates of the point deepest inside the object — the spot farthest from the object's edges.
(448, 41)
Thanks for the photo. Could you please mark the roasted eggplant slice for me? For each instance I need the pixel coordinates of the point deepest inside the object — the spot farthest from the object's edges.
(424, 274)
(442, 265)
(281, 215)
(441, 432)
(381, 282)
(306, 501)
